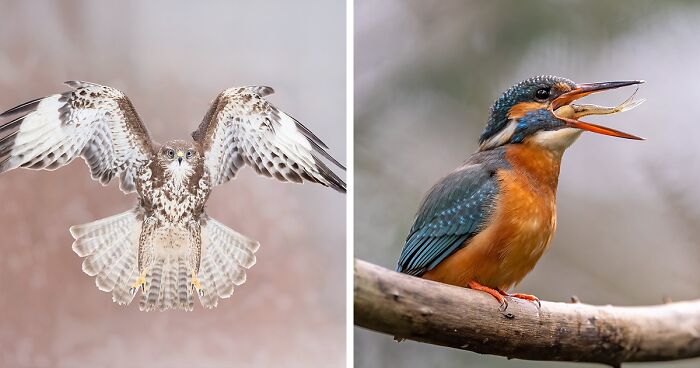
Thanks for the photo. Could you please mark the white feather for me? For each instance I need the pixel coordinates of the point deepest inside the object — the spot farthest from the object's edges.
(501, 138)
(247, 128)
(556, 140)
(94, 121)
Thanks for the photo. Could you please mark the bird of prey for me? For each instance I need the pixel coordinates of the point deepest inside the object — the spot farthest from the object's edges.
(167, 247)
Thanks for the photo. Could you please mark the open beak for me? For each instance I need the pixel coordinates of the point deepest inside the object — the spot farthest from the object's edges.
(568, 112)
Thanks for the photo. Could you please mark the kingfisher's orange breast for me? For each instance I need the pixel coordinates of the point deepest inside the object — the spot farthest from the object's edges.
(520, 228)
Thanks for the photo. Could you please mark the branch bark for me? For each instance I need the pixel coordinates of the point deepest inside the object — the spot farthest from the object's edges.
(426, 311)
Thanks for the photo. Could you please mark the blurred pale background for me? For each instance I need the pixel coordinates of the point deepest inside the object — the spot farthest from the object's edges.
(172, 59)
(426, 74)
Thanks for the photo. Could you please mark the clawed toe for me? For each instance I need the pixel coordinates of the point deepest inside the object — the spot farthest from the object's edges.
(140, 283)
(198, 290)
(502, 296)
(528, 297)
(504, 305)
(197, 285)
(493, 292)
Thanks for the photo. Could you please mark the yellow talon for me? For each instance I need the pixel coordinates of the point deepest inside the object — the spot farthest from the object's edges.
(196, 284)
(140, 283)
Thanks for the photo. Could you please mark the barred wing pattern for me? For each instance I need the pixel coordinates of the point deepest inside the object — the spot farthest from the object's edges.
(93, 121)
(242, 127)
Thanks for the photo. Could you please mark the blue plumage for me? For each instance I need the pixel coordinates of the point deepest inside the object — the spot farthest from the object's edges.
(533, 122)
(454, 210)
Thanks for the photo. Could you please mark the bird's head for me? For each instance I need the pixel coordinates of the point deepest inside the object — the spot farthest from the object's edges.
(179, 158)
(540, 110)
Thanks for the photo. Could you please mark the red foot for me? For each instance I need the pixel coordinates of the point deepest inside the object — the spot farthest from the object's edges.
(527, 297)
(493, 292)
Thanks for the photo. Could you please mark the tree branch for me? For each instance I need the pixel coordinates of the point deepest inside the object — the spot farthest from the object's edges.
(417, 309)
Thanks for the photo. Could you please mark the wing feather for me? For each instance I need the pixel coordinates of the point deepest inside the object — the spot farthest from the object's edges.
(454, 210)
(241, 127)
(96, 122)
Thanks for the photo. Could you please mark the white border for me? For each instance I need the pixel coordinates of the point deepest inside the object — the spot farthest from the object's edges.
(350, 200)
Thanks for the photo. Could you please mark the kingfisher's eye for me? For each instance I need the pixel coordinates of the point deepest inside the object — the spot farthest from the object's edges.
(171, 153)
(542, 93)
(188, 154)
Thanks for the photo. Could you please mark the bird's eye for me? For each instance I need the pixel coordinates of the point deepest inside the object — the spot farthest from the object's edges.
(171, 153)
(542, 93)
(188, 154)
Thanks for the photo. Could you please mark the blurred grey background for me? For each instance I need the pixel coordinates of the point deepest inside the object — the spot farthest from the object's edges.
(171, 59)
(426, 73)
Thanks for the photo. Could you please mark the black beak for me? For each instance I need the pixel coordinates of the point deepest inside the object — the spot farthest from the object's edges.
(179, 160)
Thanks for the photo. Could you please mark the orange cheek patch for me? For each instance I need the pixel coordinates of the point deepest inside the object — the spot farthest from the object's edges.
(519, 110)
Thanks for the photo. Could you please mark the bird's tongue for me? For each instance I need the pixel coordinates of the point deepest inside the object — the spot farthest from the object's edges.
(570, 113)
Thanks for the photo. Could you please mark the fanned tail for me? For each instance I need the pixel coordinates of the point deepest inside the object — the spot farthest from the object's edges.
(168, 285)
(226, 255)
(109, 247)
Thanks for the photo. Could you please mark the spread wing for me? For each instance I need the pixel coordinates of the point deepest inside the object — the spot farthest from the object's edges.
(454, 210)
(93, 121)
(242, 127)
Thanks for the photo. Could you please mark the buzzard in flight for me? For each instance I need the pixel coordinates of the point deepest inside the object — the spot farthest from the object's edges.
(166, 247)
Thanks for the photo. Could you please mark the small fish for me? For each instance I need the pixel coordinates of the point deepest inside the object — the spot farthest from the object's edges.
(573, 111)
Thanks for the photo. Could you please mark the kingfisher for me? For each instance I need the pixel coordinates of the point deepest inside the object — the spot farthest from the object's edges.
(485, 225)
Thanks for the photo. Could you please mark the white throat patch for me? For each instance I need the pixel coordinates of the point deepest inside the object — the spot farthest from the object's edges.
(179, 173)
(556, 140)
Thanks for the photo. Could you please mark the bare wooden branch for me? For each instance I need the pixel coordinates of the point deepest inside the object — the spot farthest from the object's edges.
(417, 309)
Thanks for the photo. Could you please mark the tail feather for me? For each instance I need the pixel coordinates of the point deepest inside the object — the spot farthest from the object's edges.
(102, 258)
(164, 284)
(107, 279)
(106, 254)
(87, 245)
(224, 284)
(110, 248)
(92, 236)
(230, 266)
(153, 282)
(210, 298)
(122, 294)
(226, 255)
(184, 294)
(237, 245)
(169, 285)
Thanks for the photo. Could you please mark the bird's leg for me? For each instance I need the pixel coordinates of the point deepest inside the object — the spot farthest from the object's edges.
(140, 283)
(196, 284)
(527, 297)
(196, 247)
(493, 292)
(144, 256)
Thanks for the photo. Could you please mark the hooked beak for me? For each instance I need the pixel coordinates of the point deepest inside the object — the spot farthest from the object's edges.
(180, 155)
(568, 112)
